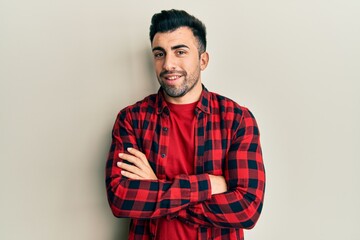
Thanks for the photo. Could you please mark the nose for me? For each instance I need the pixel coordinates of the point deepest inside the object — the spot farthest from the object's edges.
(169, 62)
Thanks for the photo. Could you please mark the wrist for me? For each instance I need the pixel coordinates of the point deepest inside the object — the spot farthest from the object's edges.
(218, 184)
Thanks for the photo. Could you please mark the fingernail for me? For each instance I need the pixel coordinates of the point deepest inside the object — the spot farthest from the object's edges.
(129, 148)
(121, 154)
(119, 163)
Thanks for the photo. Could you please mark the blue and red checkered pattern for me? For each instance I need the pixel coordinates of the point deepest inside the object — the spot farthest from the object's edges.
(227, 143)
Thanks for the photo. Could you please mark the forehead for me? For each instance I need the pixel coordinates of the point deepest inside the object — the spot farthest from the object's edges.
(182, 35)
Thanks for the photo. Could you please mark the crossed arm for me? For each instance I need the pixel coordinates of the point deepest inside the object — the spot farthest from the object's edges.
(141, 170)
(233, 200)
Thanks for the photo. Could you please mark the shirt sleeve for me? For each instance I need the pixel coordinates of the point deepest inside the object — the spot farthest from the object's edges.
(145, 199)
(241, 205)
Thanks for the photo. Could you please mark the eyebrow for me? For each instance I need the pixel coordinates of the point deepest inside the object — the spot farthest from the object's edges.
(172, 48)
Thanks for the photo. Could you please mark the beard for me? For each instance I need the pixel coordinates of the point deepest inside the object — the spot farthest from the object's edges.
(188, 83)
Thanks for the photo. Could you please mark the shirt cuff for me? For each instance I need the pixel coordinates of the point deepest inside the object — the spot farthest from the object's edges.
(200, 188)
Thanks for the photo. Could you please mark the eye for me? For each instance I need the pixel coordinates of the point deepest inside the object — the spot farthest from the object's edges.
(158, 55)
(180, 52)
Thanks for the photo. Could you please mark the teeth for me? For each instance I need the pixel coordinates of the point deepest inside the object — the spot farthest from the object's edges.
(173, 78)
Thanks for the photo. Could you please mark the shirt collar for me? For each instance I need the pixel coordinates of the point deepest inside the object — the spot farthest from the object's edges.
(203, 104)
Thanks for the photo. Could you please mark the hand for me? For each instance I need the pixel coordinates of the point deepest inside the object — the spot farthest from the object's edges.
(141, 168)
(218, 184)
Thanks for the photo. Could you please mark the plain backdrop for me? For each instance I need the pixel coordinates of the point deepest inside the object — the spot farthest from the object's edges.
(68, 67)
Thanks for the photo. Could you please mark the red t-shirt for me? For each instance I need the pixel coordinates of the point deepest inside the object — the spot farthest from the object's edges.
(181, 154)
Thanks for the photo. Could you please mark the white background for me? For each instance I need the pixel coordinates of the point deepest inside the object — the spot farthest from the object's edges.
(68, 67)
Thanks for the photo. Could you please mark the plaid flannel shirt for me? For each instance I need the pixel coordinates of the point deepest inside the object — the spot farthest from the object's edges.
(227, 143)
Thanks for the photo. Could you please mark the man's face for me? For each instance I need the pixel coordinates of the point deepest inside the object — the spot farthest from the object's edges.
(178, 65)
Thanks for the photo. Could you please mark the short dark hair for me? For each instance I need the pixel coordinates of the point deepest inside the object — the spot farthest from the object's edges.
(170, 20)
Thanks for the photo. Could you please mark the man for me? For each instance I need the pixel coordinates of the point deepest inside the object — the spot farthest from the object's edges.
(185, 163)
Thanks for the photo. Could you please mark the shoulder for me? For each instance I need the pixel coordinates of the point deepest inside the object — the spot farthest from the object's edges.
(222, 104)
(146, 105)
(236, 117)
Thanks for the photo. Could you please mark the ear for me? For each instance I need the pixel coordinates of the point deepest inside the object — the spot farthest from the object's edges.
(204, 60)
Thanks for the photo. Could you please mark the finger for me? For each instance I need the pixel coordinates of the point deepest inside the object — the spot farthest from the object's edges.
(130, 175)
(132, 159)
(138, 154)
(131, 169)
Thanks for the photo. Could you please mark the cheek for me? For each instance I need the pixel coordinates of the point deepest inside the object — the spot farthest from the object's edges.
(158, 67)
(194, 66)
(190, 63)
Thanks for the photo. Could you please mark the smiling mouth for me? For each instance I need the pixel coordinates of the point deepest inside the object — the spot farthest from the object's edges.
(172, 78)
(172, 75)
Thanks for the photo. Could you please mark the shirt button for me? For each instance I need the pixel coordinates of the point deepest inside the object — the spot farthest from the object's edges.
(163, 155)
(165, 129)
